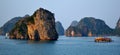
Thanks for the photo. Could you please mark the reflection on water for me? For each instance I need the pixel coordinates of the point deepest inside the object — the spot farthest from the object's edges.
(63, 46)
(40, 42)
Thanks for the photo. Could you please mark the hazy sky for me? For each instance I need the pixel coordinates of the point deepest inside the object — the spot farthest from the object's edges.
(65, 10)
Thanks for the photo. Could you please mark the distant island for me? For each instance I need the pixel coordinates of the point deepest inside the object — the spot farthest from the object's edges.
(90, 26)
(59, 28)
(117, 28)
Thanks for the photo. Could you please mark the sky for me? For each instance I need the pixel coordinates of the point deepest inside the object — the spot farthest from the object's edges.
(65, 10)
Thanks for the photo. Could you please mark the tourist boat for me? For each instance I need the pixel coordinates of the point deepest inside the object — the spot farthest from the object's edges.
(102, 39)
(6, 36)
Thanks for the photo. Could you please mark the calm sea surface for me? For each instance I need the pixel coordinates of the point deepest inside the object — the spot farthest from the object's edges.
(64, 46)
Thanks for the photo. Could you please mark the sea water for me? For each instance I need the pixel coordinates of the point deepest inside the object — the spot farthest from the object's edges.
(63, 46)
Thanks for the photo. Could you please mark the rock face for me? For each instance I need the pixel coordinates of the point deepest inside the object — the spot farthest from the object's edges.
(74, 23)
(9, 25)
(72, 29)
(59, 28)
(117, 29)
(89, 26)
(39, 26)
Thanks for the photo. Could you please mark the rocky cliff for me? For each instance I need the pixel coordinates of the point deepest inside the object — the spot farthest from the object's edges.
(74, 23)
(117, 29)
(9, 25)
(89, 26)
(59, 28)
(72, 29)
(39, 26)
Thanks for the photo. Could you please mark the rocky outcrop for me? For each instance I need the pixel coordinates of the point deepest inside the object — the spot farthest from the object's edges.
(59, 28)
(72, 29)
(117, 28)
(74, 23)
(9, 25)
(89, 26)
(39, 26)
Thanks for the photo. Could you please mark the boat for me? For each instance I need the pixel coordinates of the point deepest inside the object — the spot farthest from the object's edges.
(6, 36)
(103, 39)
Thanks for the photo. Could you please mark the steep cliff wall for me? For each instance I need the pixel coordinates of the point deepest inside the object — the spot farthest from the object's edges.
(39, 26)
